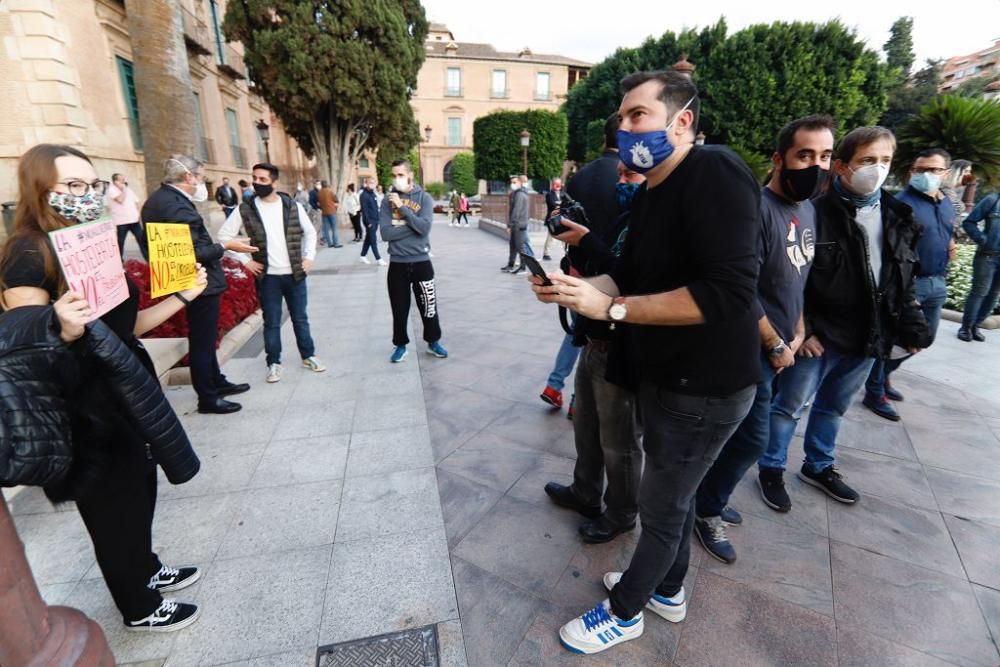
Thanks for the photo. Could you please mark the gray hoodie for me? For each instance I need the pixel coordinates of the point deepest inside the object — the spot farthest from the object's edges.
(407, 230)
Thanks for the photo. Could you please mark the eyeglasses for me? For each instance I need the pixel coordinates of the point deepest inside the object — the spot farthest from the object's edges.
(80, 188)
(937, 171)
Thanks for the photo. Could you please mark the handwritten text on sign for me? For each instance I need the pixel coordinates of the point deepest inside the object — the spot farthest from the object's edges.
(89, 257)
(171, 258)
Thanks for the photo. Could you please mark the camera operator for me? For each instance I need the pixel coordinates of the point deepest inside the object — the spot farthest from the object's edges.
(687, 275)
(605, 427)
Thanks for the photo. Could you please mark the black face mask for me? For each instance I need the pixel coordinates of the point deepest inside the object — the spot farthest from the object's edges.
(801, 184)
(263, 190)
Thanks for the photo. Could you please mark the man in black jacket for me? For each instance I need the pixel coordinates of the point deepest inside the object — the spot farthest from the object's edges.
(859, 305)
(183, 184)
(517, 223)
(594, 185)
(226, 197)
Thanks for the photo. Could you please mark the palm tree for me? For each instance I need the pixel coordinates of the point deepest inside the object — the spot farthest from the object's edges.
(967, 128)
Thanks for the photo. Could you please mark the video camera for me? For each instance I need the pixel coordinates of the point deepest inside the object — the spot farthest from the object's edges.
(572, 211)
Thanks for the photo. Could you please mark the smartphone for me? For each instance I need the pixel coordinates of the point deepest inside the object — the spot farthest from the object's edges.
(535, 268)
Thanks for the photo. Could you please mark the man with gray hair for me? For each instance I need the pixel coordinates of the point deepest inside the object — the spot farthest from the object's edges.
(517, 223)
(183, 185)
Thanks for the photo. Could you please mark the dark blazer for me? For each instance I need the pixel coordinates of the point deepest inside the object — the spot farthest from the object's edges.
(226, 196)
(168, 204)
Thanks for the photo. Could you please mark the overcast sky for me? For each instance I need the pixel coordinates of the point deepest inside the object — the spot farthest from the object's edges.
(590, 30)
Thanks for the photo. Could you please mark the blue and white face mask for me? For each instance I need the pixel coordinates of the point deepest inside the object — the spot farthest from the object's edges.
(641, 151)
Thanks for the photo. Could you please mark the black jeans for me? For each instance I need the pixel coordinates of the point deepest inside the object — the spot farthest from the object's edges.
(418, 276)
(462, 214)
(371, 241)
(607, 439)
(356, 223)
(519, 243)
(140, 236)
(118, 514)
(682, 435)
(203, 329)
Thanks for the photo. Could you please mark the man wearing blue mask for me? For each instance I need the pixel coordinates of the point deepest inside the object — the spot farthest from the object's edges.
(787, 234)
(936, 247)
(687, 278)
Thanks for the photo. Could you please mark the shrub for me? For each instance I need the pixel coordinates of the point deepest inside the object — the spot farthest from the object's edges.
(496, 141)
(960, 278)
(436, 190)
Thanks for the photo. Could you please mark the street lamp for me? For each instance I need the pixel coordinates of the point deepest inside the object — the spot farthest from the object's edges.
(420, 157)
(525, 141)
(263, 129)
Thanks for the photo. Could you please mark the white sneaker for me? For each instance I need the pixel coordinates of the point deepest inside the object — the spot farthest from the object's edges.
(672, 609)
(274, 373)
(365, 260)
(598, 630)
(382, 262)
(314, 364)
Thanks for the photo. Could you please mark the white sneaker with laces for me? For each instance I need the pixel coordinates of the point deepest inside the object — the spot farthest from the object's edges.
(314, 364)
(672, 609)
(274, 373)
(382, 262)
(365, 260)
(598, 630)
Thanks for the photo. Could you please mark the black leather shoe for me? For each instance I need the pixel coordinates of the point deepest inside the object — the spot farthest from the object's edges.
(230, 389)
(220, 407)
(602, 530)
(977, 335)
(564, 497)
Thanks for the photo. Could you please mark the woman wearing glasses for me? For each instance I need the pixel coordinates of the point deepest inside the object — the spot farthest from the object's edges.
(113, 478)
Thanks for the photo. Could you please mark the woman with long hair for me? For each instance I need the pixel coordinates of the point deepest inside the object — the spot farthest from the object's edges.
(113, 477)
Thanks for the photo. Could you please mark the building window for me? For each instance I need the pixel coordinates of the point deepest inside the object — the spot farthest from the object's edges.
(454, 85)
(499, 88)
(220, 49)
(127, 76)
(454, 131)
(239, 155)
(203, 152)
(363, 163)
(542, 91)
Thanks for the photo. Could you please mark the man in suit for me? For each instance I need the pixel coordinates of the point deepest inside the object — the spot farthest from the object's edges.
(226, 197)
(183, 184)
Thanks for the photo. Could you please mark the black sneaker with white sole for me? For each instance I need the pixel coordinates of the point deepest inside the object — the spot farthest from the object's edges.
(829, 481)
(168, 617)
(173, 579)
(772, 489)
(711, 532)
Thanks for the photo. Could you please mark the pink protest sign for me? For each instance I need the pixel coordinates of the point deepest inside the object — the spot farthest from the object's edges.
(89, 257)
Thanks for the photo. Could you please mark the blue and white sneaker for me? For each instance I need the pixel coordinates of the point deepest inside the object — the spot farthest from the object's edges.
(598, 630)
(438, 351)
(398, 354)
(672, 609)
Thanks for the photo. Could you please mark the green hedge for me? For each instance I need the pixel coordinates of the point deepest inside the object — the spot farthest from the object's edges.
(496, 141)
(960, 278)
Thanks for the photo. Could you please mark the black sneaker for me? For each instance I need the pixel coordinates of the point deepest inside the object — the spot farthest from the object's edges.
(964, 334)
(564, 497)
(881, 406)
(173, 579)
(520, 269)
(891, 392)
(168, 617)
(711, 532)
(546, 258)
(731, 516)
(772, 489)
(507, 268)
(977, 335)
(830, 482)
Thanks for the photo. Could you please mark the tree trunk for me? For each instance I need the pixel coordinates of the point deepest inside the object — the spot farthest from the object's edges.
(162, 82)
(336, 152)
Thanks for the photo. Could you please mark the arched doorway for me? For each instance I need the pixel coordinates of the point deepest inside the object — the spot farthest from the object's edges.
(447, 174)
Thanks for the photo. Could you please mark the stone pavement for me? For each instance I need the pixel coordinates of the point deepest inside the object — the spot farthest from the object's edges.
(376, 497)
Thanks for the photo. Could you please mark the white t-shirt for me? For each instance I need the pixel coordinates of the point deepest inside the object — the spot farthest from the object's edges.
(870, 219)
(127, 211)
(353, 203)
(278, 261)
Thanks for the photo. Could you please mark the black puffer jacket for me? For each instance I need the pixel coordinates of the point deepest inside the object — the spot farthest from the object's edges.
(842, 307)
(38, 373)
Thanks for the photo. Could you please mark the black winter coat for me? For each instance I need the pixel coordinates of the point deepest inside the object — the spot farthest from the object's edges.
(843, 308)
(39, 375)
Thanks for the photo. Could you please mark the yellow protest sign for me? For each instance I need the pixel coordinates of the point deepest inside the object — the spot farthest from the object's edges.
(171, 258)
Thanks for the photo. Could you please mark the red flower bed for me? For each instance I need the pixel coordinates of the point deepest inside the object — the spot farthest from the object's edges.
(237, 303)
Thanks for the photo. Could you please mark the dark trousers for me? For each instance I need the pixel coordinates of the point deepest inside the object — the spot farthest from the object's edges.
(985, 288)
(371, 241)
(356, 223)
(418, 276)
(203, 329)
(463, 214)
(140, 236)
(272, 290)
(519, 243)
(741, 451)
(607, 439)
(118, 514)
(228, 210)
(682, 435)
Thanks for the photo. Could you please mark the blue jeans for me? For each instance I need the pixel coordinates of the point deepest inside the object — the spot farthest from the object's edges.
(833, 378)
(985, 288)
(330, 230)
(739, 453)
(931, 292)
(565, 360)
(271, 290)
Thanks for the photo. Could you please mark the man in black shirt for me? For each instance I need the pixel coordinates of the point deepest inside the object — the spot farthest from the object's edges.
(785, 252)
(686, 285)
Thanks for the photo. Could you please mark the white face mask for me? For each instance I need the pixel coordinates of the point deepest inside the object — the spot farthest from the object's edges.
(200, 193)
(515, 186)
(867, 180)
(401, 183)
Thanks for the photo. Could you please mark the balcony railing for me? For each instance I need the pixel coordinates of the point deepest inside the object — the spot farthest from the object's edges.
(197, 36)
(500, 94)
(543, 97)
(232, 64)
(239, 157)
(450, 91)
(205, 150)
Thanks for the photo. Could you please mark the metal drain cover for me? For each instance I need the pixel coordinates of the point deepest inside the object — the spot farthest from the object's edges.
(410, 648)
